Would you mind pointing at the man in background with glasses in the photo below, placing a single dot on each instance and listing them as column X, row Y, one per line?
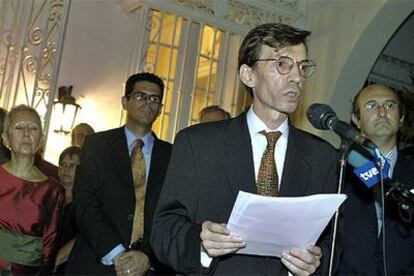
column 259, row 152
column 117, row 186
column 378, row 112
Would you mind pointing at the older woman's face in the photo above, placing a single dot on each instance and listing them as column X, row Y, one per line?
column 24, row 134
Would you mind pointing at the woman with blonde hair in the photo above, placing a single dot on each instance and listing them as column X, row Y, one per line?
column 30, row 202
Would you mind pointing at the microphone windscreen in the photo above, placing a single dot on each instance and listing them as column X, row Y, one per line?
column 319, row 115
column 356, row 159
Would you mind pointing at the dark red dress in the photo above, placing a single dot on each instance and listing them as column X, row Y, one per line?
column 29, row 218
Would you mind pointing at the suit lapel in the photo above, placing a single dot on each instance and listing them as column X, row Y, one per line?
column 296, row 166
column 120, row 157
column 153, row 174
column 237, row 159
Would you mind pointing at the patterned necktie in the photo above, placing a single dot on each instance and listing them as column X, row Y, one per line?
column 138, row 172
column 267, row 180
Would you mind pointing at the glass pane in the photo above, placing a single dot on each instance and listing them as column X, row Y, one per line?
column 150, row 65
column 213, row 78
column 155, row 26
column 217, row 44
column 210, row 42
column 171, row 28
column 199, row 102
column 207, row 41
column 178, row 31
column 173, row 63
column 203, row 72
column 163, row 61
column 168, row 96
column 165, row 125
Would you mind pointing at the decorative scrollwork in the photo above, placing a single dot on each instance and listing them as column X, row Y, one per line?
column 6, row 37
column 291, row 4
column 31, row 64
column 49, row 50
column 206, row 6
column 56, row 10
column 35, row 35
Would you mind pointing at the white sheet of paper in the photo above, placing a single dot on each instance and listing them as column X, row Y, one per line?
column 272, row 225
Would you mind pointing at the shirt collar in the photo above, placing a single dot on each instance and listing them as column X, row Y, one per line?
column 148, row 140
column 391, row 157
column 255, row 124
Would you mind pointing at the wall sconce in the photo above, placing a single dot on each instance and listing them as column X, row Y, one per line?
column 65, row 109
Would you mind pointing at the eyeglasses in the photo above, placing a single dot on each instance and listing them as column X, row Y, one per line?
column 142, row 96
column 284, row 65
column 388, row 105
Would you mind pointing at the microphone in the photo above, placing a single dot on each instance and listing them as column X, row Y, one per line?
column 366, row 170
column 397, row 191
column 321, row 116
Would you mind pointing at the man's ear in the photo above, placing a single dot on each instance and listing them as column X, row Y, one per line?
column 246, row 76
column 402, row 120
column 355, row 120
column 124, row 101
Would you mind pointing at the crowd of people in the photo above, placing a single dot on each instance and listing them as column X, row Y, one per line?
column 124, row 202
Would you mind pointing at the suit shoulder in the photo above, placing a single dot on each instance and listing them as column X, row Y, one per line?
column 164, row 144
column 103, row 135
column 204, row 130
column 314, row 142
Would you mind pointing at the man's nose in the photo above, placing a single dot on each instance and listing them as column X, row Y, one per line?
column 294, row 75
column 382, row 111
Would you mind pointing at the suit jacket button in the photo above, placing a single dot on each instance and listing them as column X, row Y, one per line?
column 130, row 217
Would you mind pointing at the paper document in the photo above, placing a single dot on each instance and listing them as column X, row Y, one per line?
column 272, row 225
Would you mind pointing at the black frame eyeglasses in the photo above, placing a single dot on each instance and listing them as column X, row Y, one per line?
column 142, row 96
column 284, row 65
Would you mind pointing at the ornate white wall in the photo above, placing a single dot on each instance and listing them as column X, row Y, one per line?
column 347, row 38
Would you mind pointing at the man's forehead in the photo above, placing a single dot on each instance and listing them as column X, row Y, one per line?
column 70, row 157
column 290, row 51
column 148, row 87
column 377, row 94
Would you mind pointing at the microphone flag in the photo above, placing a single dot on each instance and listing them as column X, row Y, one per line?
column 369, row 173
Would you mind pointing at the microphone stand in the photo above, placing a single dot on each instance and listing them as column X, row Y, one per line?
column 343, row 151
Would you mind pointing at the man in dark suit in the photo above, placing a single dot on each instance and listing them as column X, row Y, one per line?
column 212, row 162
column 378, row 112
column 105, row 189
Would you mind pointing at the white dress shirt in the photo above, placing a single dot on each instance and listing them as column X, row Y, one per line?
column 259, row 143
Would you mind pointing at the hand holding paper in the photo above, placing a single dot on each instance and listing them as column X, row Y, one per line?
column 272, row 225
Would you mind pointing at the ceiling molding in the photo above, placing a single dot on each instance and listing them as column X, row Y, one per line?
column 237, row 16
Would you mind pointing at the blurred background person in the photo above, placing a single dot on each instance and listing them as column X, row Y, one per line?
column 30, row 202
column 213, row 113
column 79, row 132
column 4, row 152
column 68, row 161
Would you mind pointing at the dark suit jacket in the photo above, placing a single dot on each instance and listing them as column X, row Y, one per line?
column 210, row 163
column 104, row 199
column 360, row 249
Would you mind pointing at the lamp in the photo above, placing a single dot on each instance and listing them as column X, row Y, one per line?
column 65, row 110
